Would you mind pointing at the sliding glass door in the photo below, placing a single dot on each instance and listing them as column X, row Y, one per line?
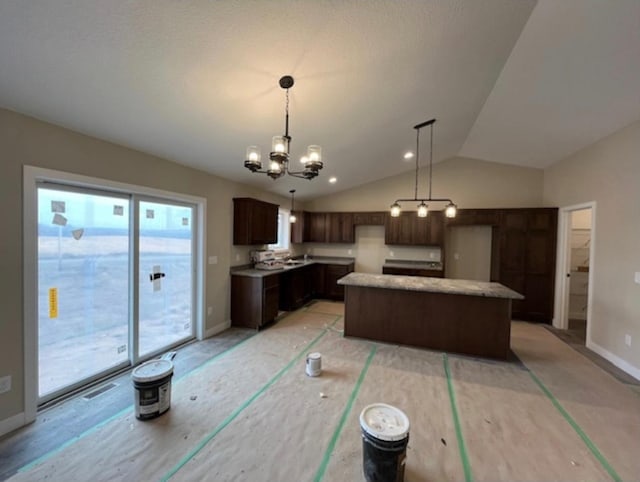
column 83, row 287
column 93, row 318
column 165, row 275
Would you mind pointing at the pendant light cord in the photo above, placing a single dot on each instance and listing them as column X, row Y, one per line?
column 286, row 116
column 415, row 195
column 430, row 161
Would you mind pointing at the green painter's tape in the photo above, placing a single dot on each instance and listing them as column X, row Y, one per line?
column 91, row 430
column 594, row 450
column 336, row 434
column 239, row 410
column 456, row 421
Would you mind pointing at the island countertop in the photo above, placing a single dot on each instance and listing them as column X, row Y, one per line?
column 432, row 285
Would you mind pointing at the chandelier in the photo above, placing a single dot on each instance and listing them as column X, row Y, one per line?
column 423, row 208
column 279, row 155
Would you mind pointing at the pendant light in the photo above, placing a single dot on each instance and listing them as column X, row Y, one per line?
column 423, row 208
column 292, row 217
column 279, row 156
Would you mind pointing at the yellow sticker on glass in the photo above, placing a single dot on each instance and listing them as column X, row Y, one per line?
column 53, row 302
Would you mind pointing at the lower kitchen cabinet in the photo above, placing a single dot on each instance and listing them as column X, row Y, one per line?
column 254, row 300
column 296, row 287
column 429, row 273
column 333, row 272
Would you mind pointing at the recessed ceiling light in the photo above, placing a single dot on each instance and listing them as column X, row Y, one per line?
column 333, row 180
column 408, row 155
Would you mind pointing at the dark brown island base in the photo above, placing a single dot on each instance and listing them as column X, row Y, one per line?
column 459, row 316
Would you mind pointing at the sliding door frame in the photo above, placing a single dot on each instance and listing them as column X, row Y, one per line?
column 32, row 176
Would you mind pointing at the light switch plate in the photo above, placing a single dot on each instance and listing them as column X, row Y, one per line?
column 213, row 260
column 637, row 277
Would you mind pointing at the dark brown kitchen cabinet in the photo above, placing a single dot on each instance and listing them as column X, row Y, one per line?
column 333, row 272
column 430, row 273
column 409, row 229
column 297, row 228
column 376, row 218
column 254, row 300
column 254, row 222
column 316, row 227
column 341, row 229
column 527, row 257
column 296, row 287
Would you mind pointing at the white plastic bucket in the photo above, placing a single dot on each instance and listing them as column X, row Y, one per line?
column 152, row 388
column 314, row 364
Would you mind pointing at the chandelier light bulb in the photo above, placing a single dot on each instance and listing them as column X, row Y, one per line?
column 304, row 159
column 451, row 210
column 292, row 218
column 274, row 166
column 422, row 210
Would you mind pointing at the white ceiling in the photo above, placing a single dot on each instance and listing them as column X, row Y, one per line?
column 196, row 82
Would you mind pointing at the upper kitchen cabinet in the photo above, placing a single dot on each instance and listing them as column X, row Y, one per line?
column 409, row 229
column 297, row 228
column 366, row 218
column 254, row 222
column 315, row 229
column 341, row 229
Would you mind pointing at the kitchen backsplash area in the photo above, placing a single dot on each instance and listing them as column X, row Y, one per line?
column 370, row 251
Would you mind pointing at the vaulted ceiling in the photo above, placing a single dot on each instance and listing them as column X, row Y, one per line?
column 511, row 81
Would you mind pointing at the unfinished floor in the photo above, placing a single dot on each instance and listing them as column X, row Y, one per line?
column 251, row 414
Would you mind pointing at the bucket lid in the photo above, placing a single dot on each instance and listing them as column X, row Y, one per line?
column 152, row 370
column 384, row 422
column 314, row 356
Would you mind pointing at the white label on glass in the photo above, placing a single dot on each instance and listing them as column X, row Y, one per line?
column 156, row 279
column 149, row 213
column 77, row 233
column 185, row 221
column 122, row 348
column 57, row 206
column 118, row 210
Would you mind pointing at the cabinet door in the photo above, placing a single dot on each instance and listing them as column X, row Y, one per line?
column 347, row 229
column 392, row 230
column 333, row 274
column 270, row 303
column 317, row 228
column 298, row 228
column 264, row 223
column 334, row 224
column 436, row 228
column 318, row 276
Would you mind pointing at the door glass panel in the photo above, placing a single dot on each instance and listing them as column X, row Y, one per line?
column 83, row 286
column 165, row 275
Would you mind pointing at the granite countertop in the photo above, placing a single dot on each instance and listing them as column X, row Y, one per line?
column 400, row 263
column 432, row 285
column 261, row 273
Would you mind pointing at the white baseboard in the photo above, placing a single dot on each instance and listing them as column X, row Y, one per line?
column 616, row 360
column 10, row 424
column 219, row 328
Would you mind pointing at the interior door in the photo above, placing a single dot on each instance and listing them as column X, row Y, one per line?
column 83, row 286
column 166, row 273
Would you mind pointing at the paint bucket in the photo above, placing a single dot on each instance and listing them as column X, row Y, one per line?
column 385, row 436
column 314, row 364
column 152, row 388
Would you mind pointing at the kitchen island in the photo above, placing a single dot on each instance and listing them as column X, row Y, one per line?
column 460, row 316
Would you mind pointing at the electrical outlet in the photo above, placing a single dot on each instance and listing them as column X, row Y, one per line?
column 5, row 384
column 456, row 256
column 391, row 254
column 209, row 310
column 237, row 257
column 637, row 277
column 627, row 340
column 213, row 260
column 349, row 251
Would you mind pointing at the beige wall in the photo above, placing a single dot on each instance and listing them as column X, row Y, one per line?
column 470, row 183
column 608, row 173
column 26, row 141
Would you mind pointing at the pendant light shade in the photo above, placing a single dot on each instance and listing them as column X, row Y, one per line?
column 423, row 209
column 292, row 217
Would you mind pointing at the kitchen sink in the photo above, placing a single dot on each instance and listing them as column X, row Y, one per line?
column 293, row 262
